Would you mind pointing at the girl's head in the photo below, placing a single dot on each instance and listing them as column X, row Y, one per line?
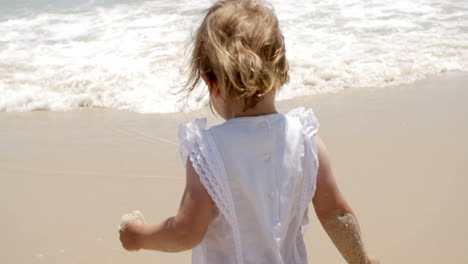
column 239, row 52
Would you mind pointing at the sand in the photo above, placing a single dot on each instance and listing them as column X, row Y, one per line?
column 400, row 156
column 126, row 219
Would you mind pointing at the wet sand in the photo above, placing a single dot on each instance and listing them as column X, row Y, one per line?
column 400, row 156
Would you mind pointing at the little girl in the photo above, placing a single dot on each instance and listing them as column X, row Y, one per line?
column 249, row 180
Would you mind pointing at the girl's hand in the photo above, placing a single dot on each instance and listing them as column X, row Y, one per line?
column 130, row 236
column 373, row 260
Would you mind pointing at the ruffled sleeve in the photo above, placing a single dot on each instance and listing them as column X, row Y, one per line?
column 308, row 120
column 190, row 135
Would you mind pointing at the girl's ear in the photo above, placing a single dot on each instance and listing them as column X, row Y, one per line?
column 210, row 82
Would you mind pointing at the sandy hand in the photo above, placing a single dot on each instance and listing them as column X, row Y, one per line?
column 129, row 218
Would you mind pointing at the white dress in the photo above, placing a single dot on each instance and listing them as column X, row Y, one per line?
column 261, row 172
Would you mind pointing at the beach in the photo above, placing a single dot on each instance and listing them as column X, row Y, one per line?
column 399, row 155
column 89, row 112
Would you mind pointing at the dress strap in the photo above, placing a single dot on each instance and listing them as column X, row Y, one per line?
column 310, row 126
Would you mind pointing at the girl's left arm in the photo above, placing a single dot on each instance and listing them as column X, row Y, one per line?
column 182, row 232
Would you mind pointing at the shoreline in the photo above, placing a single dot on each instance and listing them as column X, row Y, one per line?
column 399, row 155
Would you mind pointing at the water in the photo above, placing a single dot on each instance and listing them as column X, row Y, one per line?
column 64, row 54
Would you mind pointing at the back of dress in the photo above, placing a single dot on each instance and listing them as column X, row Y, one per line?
column 260, row 171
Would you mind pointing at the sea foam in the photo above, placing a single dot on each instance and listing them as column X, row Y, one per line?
column 130, row 56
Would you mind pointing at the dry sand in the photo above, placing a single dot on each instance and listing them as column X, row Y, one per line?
column 400, row 156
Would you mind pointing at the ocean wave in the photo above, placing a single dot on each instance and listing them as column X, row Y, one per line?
column 129, row 56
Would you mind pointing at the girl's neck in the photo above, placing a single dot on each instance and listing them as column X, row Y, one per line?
column 264, row 107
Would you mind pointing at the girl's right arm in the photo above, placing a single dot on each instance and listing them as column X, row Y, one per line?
column 335, row 214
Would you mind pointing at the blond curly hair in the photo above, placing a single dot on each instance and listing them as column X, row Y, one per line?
column 240, row 47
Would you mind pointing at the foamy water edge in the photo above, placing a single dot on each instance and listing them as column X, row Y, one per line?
column 129, row 56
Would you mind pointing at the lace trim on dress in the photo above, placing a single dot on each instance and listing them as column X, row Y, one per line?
column 197, row 144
